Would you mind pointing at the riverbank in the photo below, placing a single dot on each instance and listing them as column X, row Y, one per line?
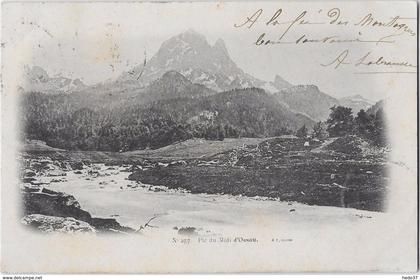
column 105, row 191
column 344, row 172
column 208, row 193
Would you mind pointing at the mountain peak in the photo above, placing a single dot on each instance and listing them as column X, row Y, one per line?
column 192, row 37
column 280, row 83
column 191, row 32
column 190, row 54
column 36, row 72
column 187, row 44
column 220, row 45
column 309, row 100
column 172, row 84
column 37, row 79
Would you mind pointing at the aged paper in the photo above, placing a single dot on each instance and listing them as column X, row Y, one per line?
column 167, row 137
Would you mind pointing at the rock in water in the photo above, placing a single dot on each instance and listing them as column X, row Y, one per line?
column 58, row 205
column 29, row 173
column 52, row 203
column 56, row 224
column 78, row 165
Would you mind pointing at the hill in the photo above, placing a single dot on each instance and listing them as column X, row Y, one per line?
column 68, row 122
column 309, row 100
column 284, row 169
column 172, row 85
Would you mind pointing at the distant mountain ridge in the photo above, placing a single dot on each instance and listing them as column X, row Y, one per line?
column 310, row 101
column 188, row 53
column 37, row 79
column 186, row 65
column 356, row 102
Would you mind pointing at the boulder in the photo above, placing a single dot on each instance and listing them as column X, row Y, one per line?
column 50, row 224
column 30, row 188
column 26, row 185
column 28, row 180
column 108, row 225
column 36, row 166
column 38, row 183
column 52, row 203
column 29, row 173
column 133, row 168
column 76, row 165
column 57, row 204
column 65, row 166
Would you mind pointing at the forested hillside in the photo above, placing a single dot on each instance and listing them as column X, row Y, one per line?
column 72, row 122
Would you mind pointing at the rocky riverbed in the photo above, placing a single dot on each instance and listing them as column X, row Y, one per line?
column 81, row 196
column 47, row 210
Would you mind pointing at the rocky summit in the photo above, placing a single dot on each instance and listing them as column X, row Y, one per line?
column 190, row 54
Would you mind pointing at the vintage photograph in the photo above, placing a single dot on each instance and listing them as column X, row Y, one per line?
column 213, row 122
column 186, row 127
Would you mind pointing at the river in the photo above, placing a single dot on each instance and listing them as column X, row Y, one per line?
column 106, row 192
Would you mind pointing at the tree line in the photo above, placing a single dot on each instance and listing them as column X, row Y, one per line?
column 341, row 122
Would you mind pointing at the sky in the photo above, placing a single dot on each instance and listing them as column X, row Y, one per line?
column 98, row 41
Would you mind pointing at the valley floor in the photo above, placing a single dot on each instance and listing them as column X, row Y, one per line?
column 111, row 196
column 213, row 187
